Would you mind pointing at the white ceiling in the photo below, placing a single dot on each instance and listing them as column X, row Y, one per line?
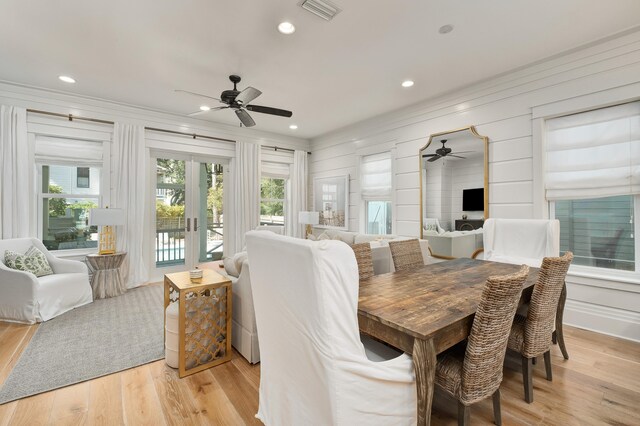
column 330, row 74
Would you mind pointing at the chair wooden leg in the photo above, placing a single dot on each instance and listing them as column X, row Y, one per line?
column 497, row 415
column 534, row 361
column 558, row 336
column 464, row 414
column 547, row 365
column 527, row 379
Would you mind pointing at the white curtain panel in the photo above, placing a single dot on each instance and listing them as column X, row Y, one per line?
column 247, row 192
column 376, row 179
column 16, row 173
column 298, row 197
column 594, row 154
column 129, row 194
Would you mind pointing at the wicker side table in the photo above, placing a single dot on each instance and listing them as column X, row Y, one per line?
column 106, row 280
column 204, row 319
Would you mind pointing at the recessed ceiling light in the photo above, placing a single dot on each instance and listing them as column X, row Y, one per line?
column 293, row 127
column 205, row 108
column 286, row 28
column 407, row 83
column 67, row 79
column 445, row 29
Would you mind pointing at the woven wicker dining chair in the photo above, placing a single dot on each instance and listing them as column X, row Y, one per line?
column 475, row 373
column 364, row 259
column 406, row 254
column 531, row 335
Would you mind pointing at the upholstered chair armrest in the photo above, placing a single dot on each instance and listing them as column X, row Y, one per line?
column 16, row 285
column 65, row 266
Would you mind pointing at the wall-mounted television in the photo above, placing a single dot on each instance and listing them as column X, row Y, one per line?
column 473, row 200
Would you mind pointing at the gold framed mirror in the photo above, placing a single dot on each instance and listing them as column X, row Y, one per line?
column 454, row 192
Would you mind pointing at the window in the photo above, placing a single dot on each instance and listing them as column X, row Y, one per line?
column 82, row 177
column 592, row 179
column 65, row 211
column 376, row 184
column 272, row 201
column 70, row 178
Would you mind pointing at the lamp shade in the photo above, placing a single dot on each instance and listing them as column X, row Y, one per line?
column 106, row 217
column 309, row 218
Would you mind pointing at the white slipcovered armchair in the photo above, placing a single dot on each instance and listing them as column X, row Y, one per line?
column 25, row 298
column 315, row 370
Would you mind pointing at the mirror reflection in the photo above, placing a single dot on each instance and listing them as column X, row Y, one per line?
column 454, row 192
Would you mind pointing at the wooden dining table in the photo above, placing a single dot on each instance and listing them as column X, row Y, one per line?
column 426, row 311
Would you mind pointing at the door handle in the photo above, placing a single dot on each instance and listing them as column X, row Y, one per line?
column 188, row 224
column 195, row 223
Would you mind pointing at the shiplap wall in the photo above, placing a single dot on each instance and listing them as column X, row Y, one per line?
column 501, row 109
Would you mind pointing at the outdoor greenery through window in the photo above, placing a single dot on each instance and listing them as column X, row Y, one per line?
column 66, row 202
column 272, row 201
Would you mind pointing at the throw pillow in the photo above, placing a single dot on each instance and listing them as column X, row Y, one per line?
column 230, row 266
column 324, row 236
column 238, row 259
column 33, row 261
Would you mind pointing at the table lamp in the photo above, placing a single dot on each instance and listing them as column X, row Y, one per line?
column 309, row 219
column 107, row 218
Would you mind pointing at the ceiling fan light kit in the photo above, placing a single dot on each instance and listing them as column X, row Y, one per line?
column 239, row 102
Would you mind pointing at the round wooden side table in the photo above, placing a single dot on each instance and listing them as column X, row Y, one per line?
column 106, row 280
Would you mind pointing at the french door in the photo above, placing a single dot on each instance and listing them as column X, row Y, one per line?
column 188, row 211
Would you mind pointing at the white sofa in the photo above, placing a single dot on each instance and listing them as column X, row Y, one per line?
column 456, row 243
column 27, row 299
column 244, row 334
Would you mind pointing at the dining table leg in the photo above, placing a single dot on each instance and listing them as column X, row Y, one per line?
column 424, row 364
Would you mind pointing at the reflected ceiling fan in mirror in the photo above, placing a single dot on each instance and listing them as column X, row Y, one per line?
column 239, row 102
column 443, row 152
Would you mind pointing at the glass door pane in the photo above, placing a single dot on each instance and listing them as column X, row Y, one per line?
column 210, row 230
column 170, row 212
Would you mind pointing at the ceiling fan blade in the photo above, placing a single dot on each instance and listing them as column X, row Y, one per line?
column 429, row 155
column 269, row 110
column 464, row 152
column 434, row 158
column 197, row 94
column 193, row 114
column 247, row 95
column 457, row 156
column 245, row 118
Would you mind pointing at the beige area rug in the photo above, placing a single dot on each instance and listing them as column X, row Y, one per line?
column 104, row 337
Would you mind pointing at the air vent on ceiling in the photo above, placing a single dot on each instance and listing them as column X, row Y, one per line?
column 321, row 8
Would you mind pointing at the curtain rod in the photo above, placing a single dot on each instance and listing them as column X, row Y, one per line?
column 72, row 117
column 193, row 135
column 277, row 148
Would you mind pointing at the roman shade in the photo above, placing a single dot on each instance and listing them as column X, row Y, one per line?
column 376, row 180
column 51, row 150
column 594, row 154
column 275, row 170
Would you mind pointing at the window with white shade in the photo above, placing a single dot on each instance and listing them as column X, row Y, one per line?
column 70, row 175
column 273, row 193
column 592, row 180
column 376, row 188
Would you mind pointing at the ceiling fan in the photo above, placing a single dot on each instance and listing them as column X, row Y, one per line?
column 239, row 102
column 443, row 152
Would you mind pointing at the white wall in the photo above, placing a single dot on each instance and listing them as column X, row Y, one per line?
column 466, row 174
column 501, row 109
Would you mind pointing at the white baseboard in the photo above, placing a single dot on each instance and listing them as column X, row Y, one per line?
column 603, row 319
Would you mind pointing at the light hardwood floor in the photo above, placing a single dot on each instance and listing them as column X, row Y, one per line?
column 599, row 385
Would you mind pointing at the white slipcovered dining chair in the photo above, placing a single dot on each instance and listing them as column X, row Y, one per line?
column 28, row 299
column 526, row 241
column 521, row 241
column 314, row 367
